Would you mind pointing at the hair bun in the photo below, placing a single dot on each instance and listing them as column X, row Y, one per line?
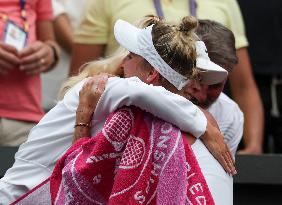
column 188, row 23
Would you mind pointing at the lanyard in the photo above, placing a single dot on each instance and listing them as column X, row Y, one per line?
column 23, row 15
column 160, row 13
column 22, row 3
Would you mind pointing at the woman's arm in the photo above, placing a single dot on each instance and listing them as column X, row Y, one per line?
column 88, row 99
column 64, row 32
column 245, row 93
column 154, row 99
column 166, row 105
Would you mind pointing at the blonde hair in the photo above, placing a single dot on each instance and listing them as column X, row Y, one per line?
column 108, row 65
column 176, row 45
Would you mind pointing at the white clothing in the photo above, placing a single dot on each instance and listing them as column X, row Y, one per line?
column 219, row 182
column 230, row 120
column 52, row 81
column 49, row 140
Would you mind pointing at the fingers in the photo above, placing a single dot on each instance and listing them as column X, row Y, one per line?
column 5, row 66
column 29, row 50
column 8, row 58
column 33, row 58
column 226, row 158
column 92, row 90
column 230, row 155
column 229, row 159
column 100, row 79
column 37, row 70
column 102, row 83
column 36, row 58
column 88, row 84
column 98, row 84
column 230, row 163
column 224, row 163
column 36, row 67
column 8, row 48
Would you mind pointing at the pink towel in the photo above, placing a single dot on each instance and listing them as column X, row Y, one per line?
column 135, row 159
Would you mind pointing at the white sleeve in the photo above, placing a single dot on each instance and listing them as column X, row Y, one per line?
column 46, row 143
column 22, row 177
column 58, row 7
column 154, row 99
column 237, row 127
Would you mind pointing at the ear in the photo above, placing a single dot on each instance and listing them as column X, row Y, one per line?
column 152, row 77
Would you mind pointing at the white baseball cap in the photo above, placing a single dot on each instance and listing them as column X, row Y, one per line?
column 212, row 73
column 139, row 41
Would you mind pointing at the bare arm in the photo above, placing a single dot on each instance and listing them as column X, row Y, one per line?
column 64, row 32
column 45, row 30
column 246, row 94
column 83, row 53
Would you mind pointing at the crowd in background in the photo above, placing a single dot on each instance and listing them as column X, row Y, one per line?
column 83, row 31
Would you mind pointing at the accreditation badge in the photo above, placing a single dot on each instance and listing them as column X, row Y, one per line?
column 15, row 35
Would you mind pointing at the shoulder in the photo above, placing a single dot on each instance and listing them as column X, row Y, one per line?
column 126, row 82
column 226, row 102
column 218, row 2
column 123, row 82
column 225, row 106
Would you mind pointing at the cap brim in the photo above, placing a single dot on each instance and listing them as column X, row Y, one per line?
column 212, row 73
column 126, row 35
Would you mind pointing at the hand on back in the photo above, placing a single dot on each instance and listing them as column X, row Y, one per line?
column 215, row 143
column 89, row 96
column 92, row 90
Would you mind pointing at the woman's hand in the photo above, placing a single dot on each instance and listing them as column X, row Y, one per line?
column 89, row 96
column 215, row 143
column 36, row 58
column 92, row 90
